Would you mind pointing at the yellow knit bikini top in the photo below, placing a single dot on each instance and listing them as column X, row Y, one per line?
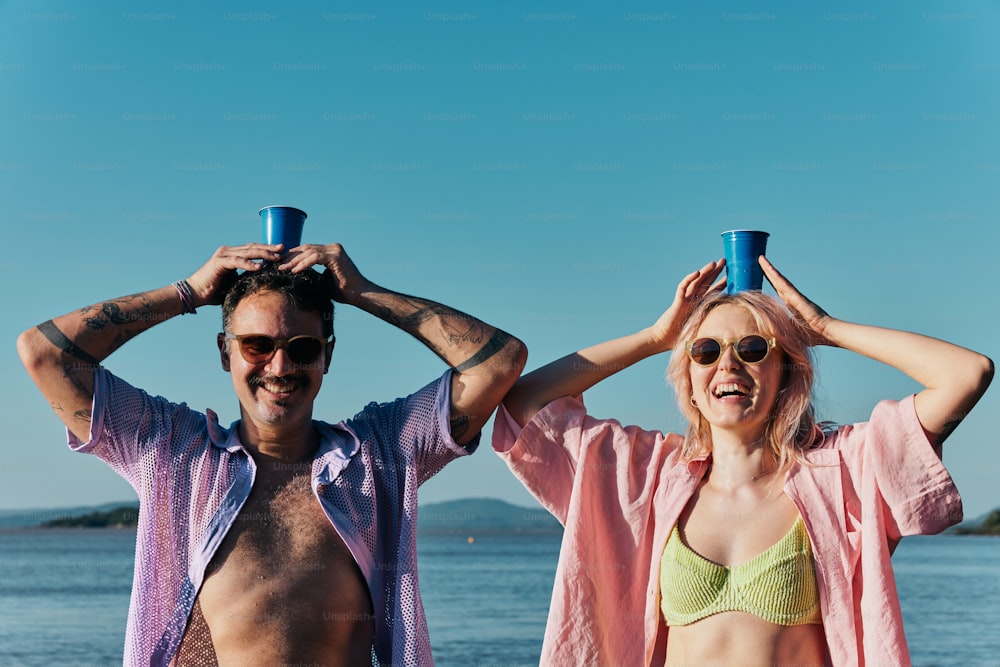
column 778, row 586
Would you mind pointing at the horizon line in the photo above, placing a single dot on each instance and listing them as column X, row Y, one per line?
column 135, row 501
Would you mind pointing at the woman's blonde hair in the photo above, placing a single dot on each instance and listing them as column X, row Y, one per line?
column 791, row 427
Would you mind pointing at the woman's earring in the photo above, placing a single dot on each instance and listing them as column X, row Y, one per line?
column 694, row 403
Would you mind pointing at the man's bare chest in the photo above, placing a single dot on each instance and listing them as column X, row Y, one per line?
column 281, row 524
column 283, row 584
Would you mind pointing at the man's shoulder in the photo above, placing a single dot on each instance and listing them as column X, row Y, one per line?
column 428, row 396
column 119, row 389
column 384, row 416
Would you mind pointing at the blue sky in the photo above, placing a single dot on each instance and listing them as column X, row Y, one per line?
column 554, row 169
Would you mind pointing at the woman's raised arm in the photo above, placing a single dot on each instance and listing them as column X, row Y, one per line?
column 575, row 373
column 954, row 378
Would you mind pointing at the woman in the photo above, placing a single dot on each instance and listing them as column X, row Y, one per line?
column 757, row 538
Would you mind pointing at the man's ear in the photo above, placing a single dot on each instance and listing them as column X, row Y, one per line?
column 329, row 354
column 223, row 351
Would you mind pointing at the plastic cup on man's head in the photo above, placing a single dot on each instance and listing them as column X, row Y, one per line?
column 283, row 224
column 742, row 248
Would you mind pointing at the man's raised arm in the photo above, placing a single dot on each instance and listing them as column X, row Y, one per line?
column 62, row 354
column 487, row 360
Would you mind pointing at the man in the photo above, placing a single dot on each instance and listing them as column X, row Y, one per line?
column 280, row 540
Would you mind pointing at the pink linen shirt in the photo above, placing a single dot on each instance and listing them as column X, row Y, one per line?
column 193, row 476
column 618, row 491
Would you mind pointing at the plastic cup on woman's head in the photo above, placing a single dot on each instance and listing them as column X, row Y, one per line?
column 283, row 224
column 742, row 249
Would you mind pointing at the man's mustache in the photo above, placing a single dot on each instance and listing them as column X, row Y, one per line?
column 284, row 382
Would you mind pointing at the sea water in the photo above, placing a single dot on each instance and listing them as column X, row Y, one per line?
column 64, row 597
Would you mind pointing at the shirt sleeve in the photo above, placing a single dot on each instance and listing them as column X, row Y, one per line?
column 417, row 427
column 895, row 465
column 563, row 449
column 126, row 423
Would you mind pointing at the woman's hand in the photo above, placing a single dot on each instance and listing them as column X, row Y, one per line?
column 953, row 377
column 815, row 318
column 691, row 290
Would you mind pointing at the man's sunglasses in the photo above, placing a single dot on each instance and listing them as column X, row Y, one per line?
column 259, row 349
column 751, row 349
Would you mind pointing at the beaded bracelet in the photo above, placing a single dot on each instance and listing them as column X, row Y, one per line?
column 186, row 296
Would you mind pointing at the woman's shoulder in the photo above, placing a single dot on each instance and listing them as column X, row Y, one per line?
column 890, row 419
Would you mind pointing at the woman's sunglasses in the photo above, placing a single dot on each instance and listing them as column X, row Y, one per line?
column 259, row 349
column 751, row 349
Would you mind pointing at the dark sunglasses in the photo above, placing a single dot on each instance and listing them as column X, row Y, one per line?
column 259, row 349
column 751, row 349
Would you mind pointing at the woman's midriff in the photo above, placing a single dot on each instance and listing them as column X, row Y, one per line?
column 738, row 638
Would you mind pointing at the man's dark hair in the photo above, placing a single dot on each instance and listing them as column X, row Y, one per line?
column 305, row 290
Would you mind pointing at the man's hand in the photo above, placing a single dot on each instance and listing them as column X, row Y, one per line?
column 210, row 282
column 341, row 275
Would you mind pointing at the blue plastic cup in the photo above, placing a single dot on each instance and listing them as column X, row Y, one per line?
column 283, row 224
column 742, row 248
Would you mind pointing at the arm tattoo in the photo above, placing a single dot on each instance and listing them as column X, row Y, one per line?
column 71, row 372
column 496, row 343
column 459, row 425
column 450, row 329
column 59, row 339
column 111, row 312
column 420, row 315
column 470, row 336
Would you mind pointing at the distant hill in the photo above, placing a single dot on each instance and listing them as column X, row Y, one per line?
column 124, row 516
column 36, row 517
column 990, row 525
column 472, row 516
column 469, row 516
column 478, row 516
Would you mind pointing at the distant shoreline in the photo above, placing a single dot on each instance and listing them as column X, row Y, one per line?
column 125, row 516
column 471, row 516
column 989, row 526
